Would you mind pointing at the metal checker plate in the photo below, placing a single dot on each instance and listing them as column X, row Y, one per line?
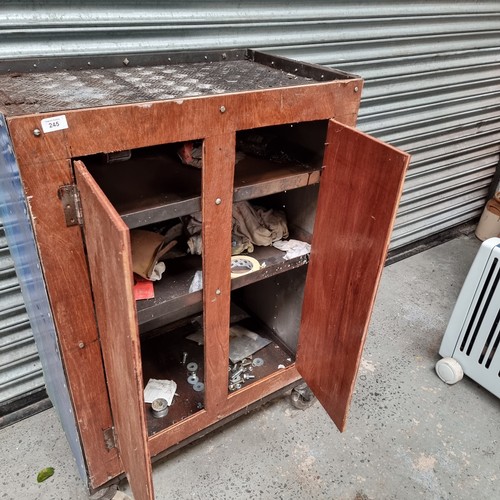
column 23, row 93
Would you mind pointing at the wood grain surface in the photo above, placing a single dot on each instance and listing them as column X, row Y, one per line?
column 110, row 262
column 359, row 194
column 65, row 269
column 217, row 204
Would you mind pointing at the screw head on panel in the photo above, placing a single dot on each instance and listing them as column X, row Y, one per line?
column 37, row 132
column 222, row 109
column 218, row 201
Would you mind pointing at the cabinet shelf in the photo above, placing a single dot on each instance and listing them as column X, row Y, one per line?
column 172, row 298
column 152, row 189
column 161, row 359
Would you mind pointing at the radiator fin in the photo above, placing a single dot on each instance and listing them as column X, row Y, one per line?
column 481, row 307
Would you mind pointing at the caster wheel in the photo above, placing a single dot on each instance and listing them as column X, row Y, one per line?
column 449, row 370
column 302, row 397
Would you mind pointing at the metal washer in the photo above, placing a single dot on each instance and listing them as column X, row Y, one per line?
column 192, row 367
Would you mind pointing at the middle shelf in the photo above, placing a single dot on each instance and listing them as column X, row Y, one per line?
column 173, row 300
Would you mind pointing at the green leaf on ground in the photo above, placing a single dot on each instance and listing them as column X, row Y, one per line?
column 45, row 474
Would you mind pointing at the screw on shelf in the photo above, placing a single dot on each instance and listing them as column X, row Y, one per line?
column 37, row 132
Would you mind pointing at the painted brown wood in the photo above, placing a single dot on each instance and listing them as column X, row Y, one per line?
column 131, row 126
column 216, row 202
column 359, row 194
column 110, row 262
column 64, row 265
column 235, row 402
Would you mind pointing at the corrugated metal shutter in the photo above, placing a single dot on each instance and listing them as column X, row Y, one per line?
column 20, row 368
column 431, row 71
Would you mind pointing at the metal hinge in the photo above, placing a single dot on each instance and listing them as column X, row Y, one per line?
column 70, row 199
column 109, row 438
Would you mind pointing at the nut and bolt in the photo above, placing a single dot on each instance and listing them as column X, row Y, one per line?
column 238, row 373
column 248, row 376
column 184, row 357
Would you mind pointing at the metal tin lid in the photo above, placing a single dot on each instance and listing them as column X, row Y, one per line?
column 159, row 408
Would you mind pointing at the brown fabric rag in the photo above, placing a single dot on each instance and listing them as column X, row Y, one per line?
column 252, row 225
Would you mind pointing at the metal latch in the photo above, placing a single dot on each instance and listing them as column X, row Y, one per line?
column 109, row 438
column 70, row 199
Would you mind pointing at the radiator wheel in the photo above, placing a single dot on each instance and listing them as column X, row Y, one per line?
column 449, row 370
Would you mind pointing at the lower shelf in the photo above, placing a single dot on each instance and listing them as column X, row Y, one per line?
column 162, row 358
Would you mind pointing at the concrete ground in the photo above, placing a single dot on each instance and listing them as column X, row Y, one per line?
column 409, row 435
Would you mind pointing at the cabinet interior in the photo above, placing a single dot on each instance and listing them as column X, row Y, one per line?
column 276, row 168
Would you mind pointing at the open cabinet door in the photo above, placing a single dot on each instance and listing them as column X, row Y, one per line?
column 110, row 261
column 359, row 194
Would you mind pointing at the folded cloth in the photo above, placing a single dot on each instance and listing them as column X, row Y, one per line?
column 259, row 225
column 252, row 225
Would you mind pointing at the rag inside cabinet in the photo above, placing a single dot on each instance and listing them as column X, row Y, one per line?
column 338, row 187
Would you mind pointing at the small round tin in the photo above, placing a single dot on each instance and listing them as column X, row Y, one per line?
column 159, row 408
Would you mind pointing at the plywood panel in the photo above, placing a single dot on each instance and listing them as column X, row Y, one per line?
column 359, row 194
column 217, row 199
column 110, row 261
column 65, row 270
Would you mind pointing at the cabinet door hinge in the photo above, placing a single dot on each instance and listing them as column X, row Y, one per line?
column 109, row 438
column 70, row 199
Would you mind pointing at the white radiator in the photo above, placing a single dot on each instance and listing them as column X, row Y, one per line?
column 471, row 343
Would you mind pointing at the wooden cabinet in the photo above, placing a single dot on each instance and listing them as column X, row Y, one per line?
column 339, row 188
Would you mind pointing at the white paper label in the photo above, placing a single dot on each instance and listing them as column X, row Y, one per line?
column 54, row 123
